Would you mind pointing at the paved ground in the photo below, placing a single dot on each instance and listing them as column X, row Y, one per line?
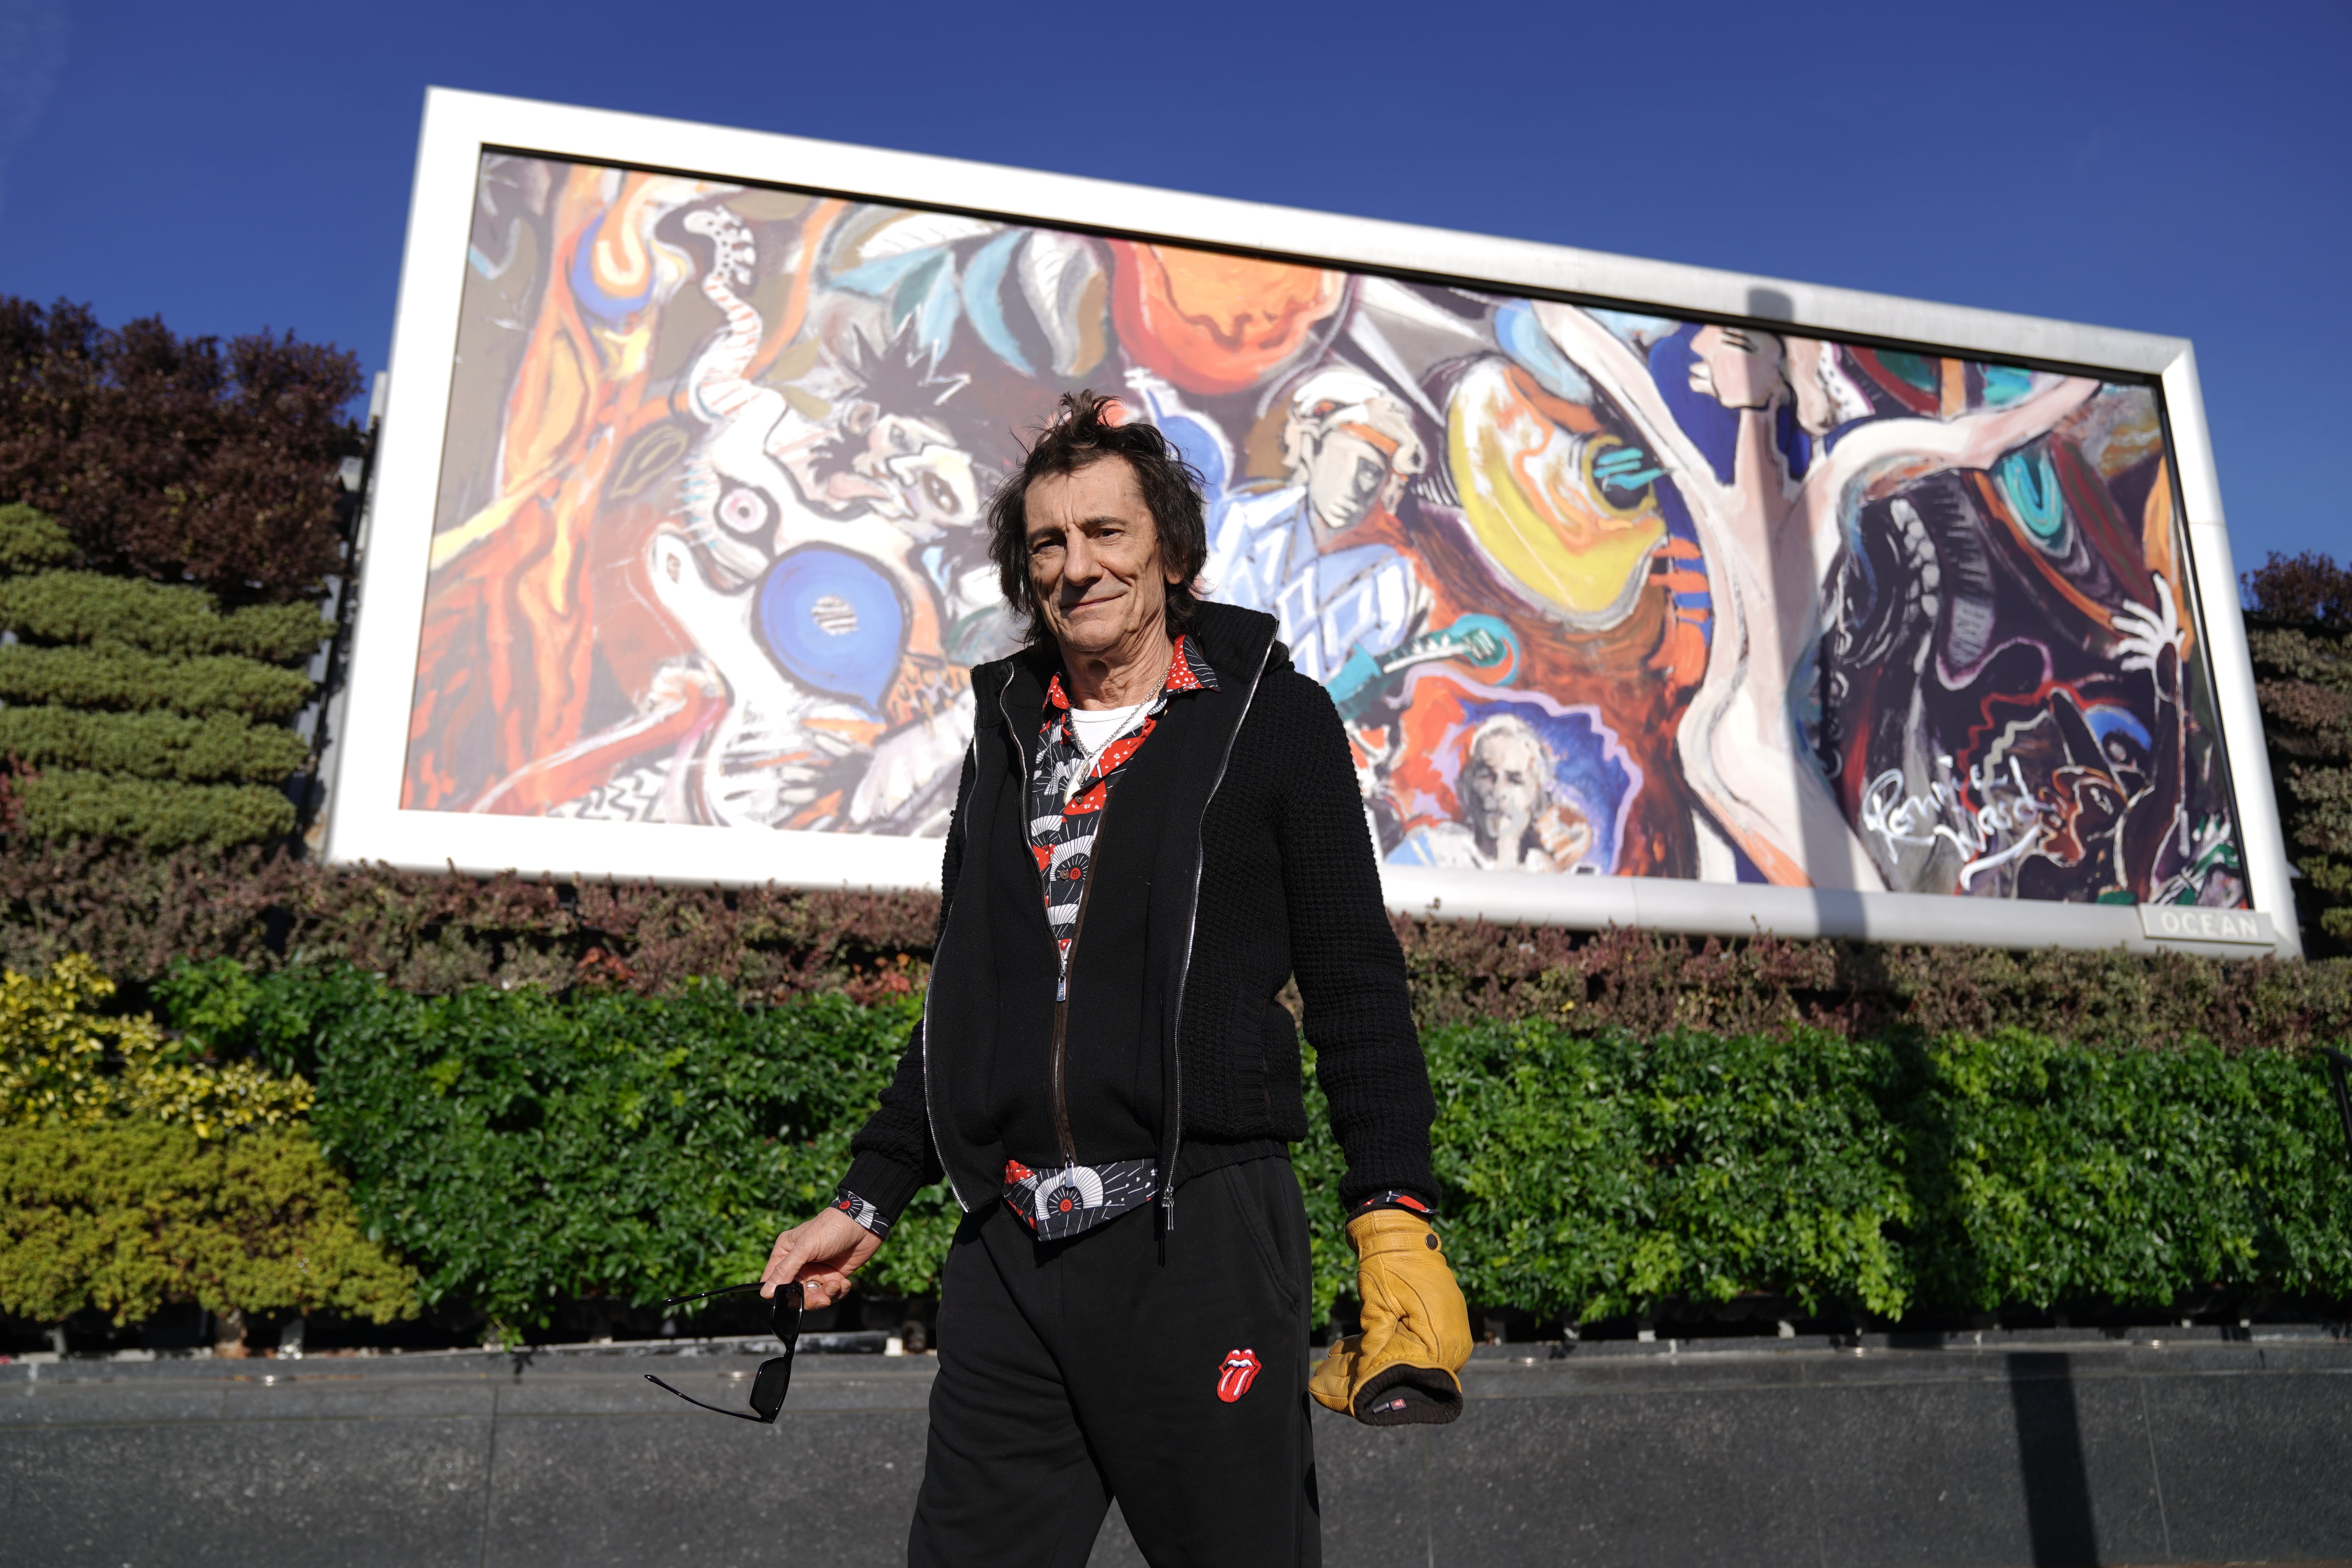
column 1993, row 1450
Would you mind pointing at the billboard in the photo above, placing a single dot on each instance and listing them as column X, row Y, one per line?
column 1822, row 613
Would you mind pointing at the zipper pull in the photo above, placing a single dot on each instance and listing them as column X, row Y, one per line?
column 1168, row 1209
column 1062, row 989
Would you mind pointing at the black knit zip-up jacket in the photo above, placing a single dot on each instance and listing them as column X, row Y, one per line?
column 1239, row 855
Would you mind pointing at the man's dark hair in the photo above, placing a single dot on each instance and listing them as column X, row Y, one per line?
column 1079, row 436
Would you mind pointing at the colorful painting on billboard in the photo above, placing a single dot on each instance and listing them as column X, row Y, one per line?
column 1596, row 592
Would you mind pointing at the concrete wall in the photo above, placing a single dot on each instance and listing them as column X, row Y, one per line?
column 1992, row 1450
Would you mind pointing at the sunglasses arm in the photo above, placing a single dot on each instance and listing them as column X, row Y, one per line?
column 690, row 1399
column 738, row 1289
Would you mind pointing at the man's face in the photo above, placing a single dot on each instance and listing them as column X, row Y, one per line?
column 1094, row 560
column 1345, row 478
column 1504, row 786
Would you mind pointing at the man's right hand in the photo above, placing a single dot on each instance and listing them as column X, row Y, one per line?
column 822, row 1253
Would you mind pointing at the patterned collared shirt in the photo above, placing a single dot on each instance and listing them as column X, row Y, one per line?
column 1066, row 797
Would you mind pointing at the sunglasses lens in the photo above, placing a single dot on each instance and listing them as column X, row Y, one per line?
column 768, row 1389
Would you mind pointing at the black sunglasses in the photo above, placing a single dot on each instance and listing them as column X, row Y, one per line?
column 775, row 1373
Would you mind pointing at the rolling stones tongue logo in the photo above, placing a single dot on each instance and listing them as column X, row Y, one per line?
column 1235, row 1374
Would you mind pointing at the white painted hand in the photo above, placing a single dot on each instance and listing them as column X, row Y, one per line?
column 2146, row 633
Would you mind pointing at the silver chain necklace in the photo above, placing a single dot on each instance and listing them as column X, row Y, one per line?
column 1086, row 759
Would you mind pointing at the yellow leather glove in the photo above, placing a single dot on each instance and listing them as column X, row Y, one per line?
column 1400, row 1372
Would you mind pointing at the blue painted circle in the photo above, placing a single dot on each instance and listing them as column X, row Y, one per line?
column 833, row 621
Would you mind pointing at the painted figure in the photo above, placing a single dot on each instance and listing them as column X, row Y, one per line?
column 1769, row 535
column 1348, row 448
column 1512, row 821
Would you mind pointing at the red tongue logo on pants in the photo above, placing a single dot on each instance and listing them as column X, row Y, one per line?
column 1235, row 1374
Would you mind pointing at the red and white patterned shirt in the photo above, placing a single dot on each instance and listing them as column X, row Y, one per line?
column 1066, row 795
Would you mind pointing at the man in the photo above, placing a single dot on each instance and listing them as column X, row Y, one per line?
column 1516, row 822
column 1156, row 825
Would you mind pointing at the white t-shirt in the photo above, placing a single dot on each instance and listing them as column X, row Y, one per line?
column 1096, row 728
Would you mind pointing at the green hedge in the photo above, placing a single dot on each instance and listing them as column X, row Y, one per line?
column 175, row 619
column 1592, row 1176
column 113, row 677
column 2049, row 1175
column 1596, row 1176
column 31, row 539
column 157, row 815
column 520, row 1147
column 153, row 745
column 67, row 1060
column 126, row 1218
column 158, row 721
column 135, row 1172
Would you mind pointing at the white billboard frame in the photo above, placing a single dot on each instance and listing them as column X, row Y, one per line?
column 366, row 822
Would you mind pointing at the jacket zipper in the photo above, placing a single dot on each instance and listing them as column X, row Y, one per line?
column 1069, row 1141
column 931, row 1117
column 1184, row 970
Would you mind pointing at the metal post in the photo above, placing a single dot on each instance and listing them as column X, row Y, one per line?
column 359, row 477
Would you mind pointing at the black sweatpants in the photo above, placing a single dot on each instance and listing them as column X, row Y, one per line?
column 1074, row 1372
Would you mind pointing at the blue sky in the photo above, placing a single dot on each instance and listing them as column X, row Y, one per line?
column 2155, row 166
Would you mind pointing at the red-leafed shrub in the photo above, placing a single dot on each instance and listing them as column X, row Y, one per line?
column 178, row 458
column 434, row 934
column 2300, row 627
